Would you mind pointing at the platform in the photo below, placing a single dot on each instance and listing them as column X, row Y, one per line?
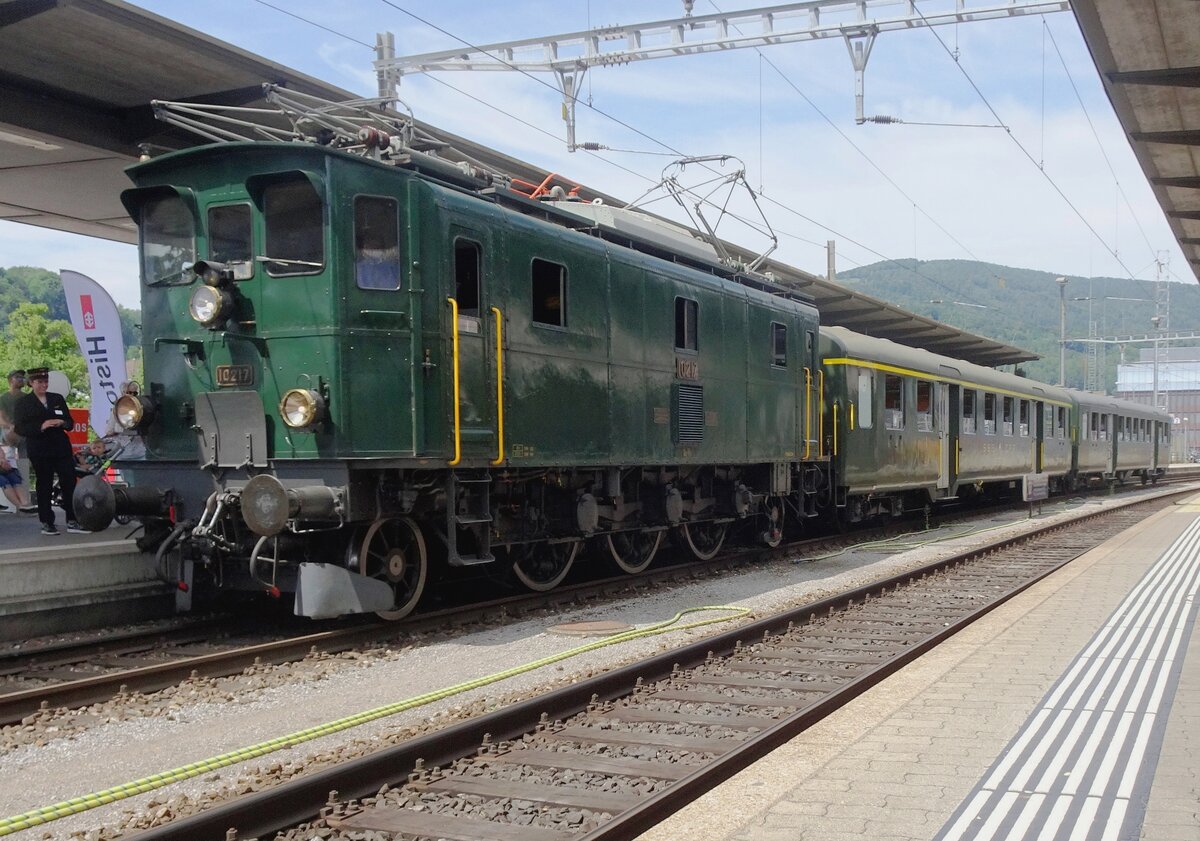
column 1070, row 712
column 71, row 582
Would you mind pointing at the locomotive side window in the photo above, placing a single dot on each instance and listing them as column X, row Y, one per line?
column 168, row 234
column 687, row 329
column 1023, row 418
column 295, row 234
column 1007, row 418
column 230, row 239
column 467, row 261
column 924, row 406
column 549, row 293
column 893, row 402
column 778, row 344
column 376, row 243
column 866, row 398
column 989, row 413
column 968, row 411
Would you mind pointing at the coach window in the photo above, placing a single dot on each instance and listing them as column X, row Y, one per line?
column 168, row 239
column 229, row 234
column 778, row 344
column 1060, row 422
column 1023, row 418
column 376, row 243
column 1104, row 426
column 1094, row 426
column 295, row 240
column 893, row 401
column 866, row 398
column 1007, row 418
column 989, row 413
column 924, row 406
column 687, row 328
column 968, row 411
column 468, row 257
column 549, row 293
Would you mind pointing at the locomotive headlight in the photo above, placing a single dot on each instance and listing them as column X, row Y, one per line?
column 131, row 411
column 209, row 305
column 302, row 407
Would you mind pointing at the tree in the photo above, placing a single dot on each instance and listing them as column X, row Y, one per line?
column 32, row 339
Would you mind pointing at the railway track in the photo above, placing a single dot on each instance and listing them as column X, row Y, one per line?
column 79, row 673
column 611, row 756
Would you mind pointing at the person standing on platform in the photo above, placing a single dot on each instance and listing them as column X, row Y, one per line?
column 43, row 419
column 8, row 435
column 12, row 484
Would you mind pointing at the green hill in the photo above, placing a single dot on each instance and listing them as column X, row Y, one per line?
column 1021, row 307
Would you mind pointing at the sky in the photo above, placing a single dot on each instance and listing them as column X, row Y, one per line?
column 1049, row 184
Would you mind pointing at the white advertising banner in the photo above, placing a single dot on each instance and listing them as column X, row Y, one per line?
column 98, row 331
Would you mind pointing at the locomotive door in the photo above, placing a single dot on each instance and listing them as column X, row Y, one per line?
column 476, row 398
column 942, row 420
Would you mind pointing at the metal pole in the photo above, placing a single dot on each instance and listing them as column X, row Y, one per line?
column 1062, row 329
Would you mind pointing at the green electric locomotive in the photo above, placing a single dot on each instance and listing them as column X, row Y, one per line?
column 358, row 368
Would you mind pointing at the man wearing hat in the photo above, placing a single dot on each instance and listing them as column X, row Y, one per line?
column 8, row 414
column 43, row 418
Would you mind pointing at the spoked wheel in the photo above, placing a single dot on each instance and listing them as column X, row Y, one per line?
column 773, row 534
column 542, row 566
column 704, row 540
column 392, row 549
column 632, row 551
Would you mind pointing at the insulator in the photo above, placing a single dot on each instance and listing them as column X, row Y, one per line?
column 883, row 120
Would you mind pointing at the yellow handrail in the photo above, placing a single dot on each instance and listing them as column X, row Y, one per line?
column 851, row 429
column 499, row 386
column 821, row 414
column 807, row 413
column 454, row 355
column 835, row 414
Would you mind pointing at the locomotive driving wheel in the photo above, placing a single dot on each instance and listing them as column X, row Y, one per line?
column 632, row 551
column 704, row 539
column 542, row 566
column 392, row 549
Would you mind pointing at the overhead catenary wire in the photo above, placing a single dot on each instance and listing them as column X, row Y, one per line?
column 1021, row 146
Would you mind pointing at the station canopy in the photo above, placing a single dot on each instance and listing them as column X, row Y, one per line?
column 76, row 81
column 1148, row 55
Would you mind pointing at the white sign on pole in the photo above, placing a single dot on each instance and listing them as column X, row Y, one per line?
column 98, row 331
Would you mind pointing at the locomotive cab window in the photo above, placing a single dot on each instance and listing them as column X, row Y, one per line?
column 1023, row 417
column 168, row 240
column 687, row 330
column 549, row 293
column 376, row 243
column 295, row 232
column 467, row 271
column 989, row 414
column 893, row 402
column 230, row 238
column 968, row 411
column 1007, row 418
column 924, row 406
column 778, row 345
column 866, row 398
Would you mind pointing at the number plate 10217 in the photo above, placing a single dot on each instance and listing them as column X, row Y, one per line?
column 234, row 375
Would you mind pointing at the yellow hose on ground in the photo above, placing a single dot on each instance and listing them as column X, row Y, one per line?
column 75, row 805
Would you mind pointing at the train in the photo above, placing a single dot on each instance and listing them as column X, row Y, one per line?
column 365, row 369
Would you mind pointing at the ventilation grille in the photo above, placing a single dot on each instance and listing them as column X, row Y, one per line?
column 689, row 414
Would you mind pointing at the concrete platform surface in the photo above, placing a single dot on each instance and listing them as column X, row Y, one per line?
column 1070, row 712
column 52, row 585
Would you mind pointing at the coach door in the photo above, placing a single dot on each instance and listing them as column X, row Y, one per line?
column 942, row 418
column 474, row 328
